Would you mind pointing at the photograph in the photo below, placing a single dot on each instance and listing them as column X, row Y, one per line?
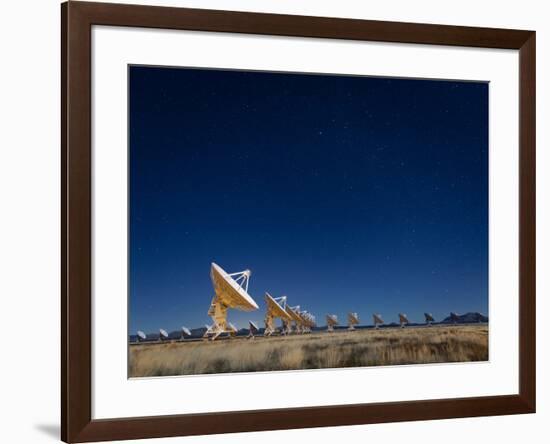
column 306, row 221
column 292, row 221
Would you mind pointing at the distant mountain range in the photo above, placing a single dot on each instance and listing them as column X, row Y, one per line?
column 467, row 318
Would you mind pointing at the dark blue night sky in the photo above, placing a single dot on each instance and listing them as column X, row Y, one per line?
column 344, row 193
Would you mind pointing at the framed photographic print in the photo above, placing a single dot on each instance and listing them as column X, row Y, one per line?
column 257, row 200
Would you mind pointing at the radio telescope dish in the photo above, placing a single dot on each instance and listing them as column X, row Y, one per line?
column 455, row 318
column 275, row 309
column 429, row 318
column 353, row 320
column 286, row 321
column 377, row 320
column 304, row 326
column 141, row 336
column 185, row 332
column 403, row 320
column 163, row 335
column 277, row 306
column 252, row 329
column 309, row 321
column 332, row 321
column 296, row 319
column 231, row 291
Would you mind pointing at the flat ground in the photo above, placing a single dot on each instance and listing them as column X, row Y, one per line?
column 360, row 348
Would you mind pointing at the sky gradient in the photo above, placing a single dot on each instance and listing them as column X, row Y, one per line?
column 343, row 193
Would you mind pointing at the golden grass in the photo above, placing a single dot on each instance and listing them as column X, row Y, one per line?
column 318, row 350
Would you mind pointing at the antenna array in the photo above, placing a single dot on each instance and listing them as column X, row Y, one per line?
column 231, row 291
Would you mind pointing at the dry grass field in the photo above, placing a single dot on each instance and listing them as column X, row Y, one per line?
column 318, row 350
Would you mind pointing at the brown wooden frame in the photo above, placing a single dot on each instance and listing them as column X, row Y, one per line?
column 77, row 19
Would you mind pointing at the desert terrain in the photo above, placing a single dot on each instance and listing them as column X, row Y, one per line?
column 341, row 348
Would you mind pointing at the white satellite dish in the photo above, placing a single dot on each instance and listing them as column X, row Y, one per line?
column 275, row 309
column 141, row 336
column 353, row 320
column 377, row 319
column 332, row 321
column 185, row 332
column 252, row 329
column 163, row 335
column 308, row 321
column 230, row 291
column 403, row 320
column 304, row 328
column 429, row 319
column 296, row 319
column 287, row 322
